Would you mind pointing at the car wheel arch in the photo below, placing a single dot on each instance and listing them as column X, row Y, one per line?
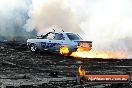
column 33, row 47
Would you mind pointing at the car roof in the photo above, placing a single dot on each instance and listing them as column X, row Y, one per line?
column 62, row 32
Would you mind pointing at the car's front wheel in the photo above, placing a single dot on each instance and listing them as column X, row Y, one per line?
column 33, row 48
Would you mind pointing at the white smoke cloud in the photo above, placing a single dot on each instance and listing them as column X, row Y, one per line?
column 13, row 15
column 45, row 13
column 108, row 23
column 109, row 20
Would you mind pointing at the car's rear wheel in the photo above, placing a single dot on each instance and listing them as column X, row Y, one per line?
column 33, row 48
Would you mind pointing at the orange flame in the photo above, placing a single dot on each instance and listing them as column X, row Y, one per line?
column 64, row 50
column 82, row 53
column 81, row 71
column 96, row 54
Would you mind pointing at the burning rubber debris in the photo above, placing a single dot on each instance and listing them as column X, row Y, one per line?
column 81, row 71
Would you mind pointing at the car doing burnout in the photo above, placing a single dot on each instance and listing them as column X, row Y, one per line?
column 52, row 42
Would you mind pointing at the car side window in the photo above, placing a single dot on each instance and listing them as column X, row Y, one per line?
column 50, row 36
column 59, row 36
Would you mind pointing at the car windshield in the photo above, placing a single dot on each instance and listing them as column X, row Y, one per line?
column 73, row 36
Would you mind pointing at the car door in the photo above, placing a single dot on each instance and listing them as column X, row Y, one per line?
column 57, row 41
column 47, row 43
